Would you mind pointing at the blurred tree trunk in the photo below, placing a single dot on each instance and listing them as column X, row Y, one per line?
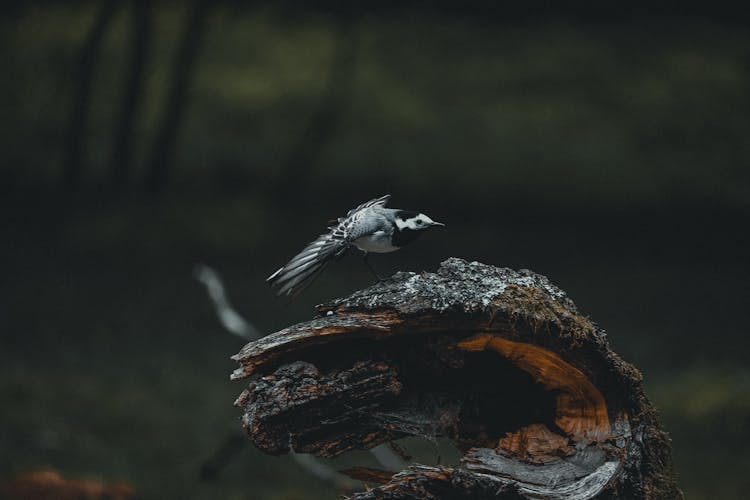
column 122, row 151
column 324, row 122
column 85, row 68
column 160, row 163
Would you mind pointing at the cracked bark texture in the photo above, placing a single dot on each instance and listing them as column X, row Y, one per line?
column 499, row 361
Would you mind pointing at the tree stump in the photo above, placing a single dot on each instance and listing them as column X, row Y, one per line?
column 499, row 361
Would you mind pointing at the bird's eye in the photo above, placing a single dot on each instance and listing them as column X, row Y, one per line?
column 419, row 221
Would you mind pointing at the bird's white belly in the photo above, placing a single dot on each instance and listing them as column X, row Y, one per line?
column 377, row 242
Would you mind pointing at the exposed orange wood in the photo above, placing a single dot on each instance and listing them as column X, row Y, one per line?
column 535, row 443
column 581, row 410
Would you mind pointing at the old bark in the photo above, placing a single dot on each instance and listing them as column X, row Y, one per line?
column 499, row 361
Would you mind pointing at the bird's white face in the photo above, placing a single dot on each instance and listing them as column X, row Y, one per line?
column 417, row 222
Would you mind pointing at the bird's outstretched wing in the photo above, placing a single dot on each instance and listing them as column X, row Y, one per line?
column 382, row 201
column 304, row 267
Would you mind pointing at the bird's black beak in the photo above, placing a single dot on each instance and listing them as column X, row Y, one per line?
column 437, row 224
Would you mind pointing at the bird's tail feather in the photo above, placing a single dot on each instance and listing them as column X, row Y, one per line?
column 304, row 267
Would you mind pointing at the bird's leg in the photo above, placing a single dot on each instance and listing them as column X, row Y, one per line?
column 367, row 263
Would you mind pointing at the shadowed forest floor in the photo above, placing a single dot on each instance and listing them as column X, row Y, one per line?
column 113, row 364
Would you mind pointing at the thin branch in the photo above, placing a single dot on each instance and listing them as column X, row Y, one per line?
column 387, row 457
column 230, row 319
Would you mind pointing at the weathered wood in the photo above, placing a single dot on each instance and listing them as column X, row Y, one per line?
column 335, row 408
column 499, row 361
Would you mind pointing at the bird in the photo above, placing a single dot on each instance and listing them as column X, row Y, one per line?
column 371, row 227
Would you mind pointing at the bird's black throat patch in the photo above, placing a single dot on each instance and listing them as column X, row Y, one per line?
column 402, row 237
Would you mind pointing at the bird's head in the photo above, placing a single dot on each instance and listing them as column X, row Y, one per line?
column 415, row 221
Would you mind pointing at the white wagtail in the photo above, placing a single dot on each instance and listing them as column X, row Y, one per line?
column 370, row 227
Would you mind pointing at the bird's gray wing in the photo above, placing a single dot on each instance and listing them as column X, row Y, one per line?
column 304, row 267
column 381, row 202
column 366, row 222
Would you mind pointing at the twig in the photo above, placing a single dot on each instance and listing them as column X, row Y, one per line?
column 229, row 318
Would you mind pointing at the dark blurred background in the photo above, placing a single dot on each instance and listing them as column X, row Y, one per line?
column 606, row 149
